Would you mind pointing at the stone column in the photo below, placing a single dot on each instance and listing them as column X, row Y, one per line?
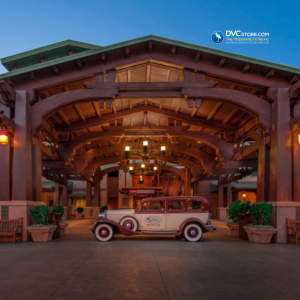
column 56, row 194
column 229, row 193
column 281, row 160
column 5, row 171
column 22, row 161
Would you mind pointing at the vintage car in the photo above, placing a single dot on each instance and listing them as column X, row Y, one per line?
column 180, row 216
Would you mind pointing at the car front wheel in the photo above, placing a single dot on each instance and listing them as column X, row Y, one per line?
column 104, row 232
column 193, row 232
column 130, row 223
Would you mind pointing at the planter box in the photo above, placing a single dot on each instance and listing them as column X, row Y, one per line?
column 79, row 216
column 234, row 230
column 260, row 235
column 42, row 234
column 63, row 228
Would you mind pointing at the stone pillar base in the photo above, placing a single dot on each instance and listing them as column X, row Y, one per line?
column 91, row 212
column 19, row 209
column 221, row 213
column 283, row 210
column 67, row 214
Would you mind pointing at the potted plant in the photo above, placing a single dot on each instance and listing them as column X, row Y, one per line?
column 261, row 231
column 234, row 209
column 103, row 208
column 41, row 231
column 63, row 225
column 79, row 214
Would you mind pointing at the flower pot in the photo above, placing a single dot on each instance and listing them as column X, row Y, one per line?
column 79, row 216
column 260, row 235
column 42, row 234
column 234, row 230
column 63, row 228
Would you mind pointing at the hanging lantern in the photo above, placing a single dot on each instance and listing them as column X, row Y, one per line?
column 299, row 137
column 3, row 137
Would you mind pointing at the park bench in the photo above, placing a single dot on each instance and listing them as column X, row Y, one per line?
column 293, row 231
column 12, row 228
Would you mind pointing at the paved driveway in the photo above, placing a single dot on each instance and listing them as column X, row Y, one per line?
column 79, row 267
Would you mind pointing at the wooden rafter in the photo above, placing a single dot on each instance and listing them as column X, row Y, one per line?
column 214, row 110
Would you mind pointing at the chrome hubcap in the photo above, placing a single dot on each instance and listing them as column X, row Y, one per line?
column 193, row 232
column 128, row 225
column 103, row 232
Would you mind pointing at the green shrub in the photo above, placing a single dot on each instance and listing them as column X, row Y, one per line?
column 58, row 209
column 236, row 208
column 40, row 214
column 261, row 213
column 103, row 208
column 79, row 210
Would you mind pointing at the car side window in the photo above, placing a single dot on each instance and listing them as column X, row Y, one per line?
column 153, row 205
column 194, row 205
column 176, row 205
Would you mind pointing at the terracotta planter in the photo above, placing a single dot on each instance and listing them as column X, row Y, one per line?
column 79, row 216
column 234, row 230
column 260, row 235
column 63, row 227
column 42, row 234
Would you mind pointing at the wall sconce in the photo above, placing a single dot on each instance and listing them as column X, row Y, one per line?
column 3, row 137
column 145, row 146
column 244, row 195
column 127, row 149
column 141, row 180
column 299, row 137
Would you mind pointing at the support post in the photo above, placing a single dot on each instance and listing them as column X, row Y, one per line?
column 56, row 194
column 22, row 162
column 65, row 192
column 37, row 170
column 88, row 194
column 229, row 193
column 5, row 171
column 220, row 192
column 97, row 188
column 281, row 158
column 263, row 172
column 187, row 182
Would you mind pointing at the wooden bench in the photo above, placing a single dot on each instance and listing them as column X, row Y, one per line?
column 12, row 228
column 292, row 231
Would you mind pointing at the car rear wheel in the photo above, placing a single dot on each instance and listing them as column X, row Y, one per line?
column 130, row 223
column 193, row 232
column 104, row 233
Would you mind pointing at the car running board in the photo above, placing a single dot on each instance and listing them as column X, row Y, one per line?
column 160, row 233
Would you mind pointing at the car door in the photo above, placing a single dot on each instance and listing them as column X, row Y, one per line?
column 152, row 216
column 175, row 214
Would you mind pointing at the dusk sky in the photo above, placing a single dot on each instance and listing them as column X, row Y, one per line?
column 26, row 25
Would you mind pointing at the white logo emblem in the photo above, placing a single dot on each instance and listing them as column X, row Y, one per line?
column 153, row 220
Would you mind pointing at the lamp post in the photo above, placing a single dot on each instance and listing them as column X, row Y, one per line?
column 3, row 137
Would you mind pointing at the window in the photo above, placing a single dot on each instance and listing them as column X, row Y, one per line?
column 153, row 205
column 176, row 205
column 80, row 203
column 193, row 205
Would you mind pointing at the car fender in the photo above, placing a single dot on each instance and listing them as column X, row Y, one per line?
column 194, row 220
column 117, row 227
